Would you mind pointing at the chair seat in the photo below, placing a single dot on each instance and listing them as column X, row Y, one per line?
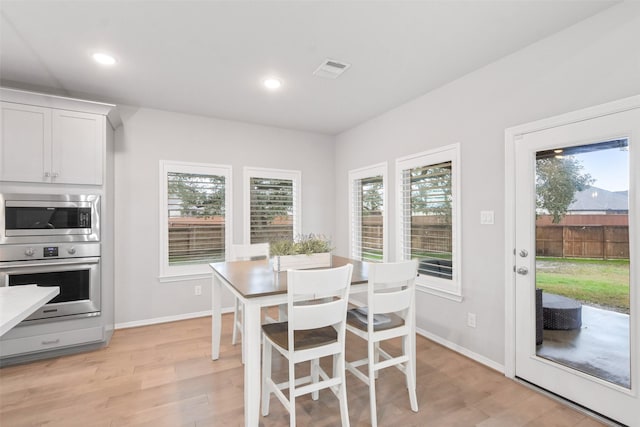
column 394, row 322
column 303, row 339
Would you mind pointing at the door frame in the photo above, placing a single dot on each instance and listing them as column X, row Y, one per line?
column 512, row 135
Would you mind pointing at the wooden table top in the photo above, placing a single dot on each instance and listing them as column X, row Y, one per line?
column 256, row 278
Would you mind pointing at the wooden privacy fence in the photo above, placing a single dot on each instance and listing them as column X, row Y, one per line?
column 583, row 241
column 193, row 239
column 428, row 233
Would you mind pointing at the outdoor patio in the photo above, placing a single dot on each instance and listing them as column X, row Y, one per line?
column 600, row 347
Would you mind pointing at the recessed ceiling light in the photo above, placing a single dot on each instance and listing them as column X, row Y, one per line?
column 104, row 59
column 272, row 83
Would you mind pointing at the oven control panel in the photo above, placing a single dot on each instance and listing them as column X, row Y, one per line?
column 48, row 251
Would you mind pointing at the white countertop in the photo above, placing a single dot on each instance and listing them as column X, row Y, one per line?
column 18, row 302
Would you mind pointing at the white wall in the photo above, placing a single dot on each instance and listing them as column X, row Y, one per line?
column 148, row 136
column 595, row 61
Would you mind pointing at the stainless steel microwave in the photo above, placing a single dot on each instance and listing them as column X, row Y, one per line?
column 41, row 218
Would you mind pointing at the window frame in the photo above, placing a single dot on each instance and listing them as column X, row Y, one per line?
column 171, row 273
column 450, row 289
column 269, row 173
column 363, row 173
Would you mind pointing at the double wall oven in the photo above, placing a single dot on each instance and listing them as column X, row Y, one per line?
column 53, row 240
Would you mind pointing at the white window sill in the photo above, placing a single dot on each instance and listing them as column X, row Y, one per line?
column 184, row 277
column 452, row 296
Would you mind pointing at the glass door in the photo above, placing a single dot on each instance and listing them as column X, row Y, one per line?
column 576, row 254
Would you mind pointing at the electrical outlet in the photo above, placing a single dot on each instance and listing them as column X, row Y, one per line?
column 197, row 290
column 471, row 320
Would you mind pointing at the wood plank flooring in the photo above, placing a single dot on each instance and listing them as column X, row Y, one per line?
column 162, row 375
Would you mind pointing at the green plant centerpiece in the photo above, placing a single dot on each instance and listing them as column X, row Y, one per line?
column 305, row 251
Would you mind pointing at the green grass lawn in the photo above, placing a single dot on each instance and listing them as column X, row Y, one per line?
column 602, row 283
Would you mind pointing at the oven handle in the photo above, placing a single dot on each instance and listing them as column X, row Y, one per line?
column 48, row 263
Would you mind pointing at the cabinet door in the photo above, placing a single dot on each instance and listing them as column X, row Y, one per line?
column 25, row 142
column 78, row 144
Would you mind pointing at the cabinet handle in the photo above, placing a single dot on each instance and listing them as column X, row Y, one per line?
column 54, row 174
column 56, row 341
column 47, row 174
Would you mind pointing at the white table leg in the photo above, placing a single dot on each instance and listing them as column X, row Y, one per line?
column 252, row 375
column 216, row 316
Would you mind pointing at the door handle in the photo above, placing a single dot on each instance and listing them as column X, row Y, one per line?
column 522, row 270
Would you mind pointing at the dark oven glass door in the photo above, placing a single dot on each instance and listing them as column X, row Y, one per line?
column 78, row 279
column 74, row 284
column 47, row 218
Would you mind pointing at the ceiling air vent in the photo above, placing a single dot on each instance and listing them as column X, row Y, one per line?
column 331, row 69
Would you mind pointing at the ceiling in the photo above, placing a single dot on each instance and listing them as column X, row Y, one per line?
column 209, row 57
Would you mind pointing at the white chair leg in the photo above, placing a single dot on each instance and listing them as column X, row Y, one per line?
column 377, row 357
column 266, row 376
column 339, row 366
column 292, row 394
column 315, row 376
column 235, row 322
column 243, row 332
column 372, row 385
column 410, row 372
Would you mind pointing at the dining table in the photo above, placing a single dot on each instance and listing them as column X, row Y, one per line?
column 257, row 285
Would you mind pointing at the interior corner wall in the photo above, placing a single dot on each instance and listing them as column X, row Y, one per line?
column 148, row 136
column 592, row 62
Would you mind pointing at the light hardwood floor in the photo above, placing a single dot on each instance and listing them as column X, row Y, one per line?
column 162, row 375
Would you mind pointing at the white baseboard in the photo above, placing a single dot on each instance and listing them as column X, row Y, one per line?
column 462, row 350
column 166, row 319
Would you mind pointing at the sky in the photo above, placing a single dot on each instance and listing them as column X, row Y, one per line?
column 609, row 167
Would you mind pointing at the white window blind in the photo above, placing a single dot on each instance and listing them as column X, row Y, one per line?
column 367, row 212
column 272, row 209
column 367, row 216
column 271, row 204
column 196, row 218
column 429, row 218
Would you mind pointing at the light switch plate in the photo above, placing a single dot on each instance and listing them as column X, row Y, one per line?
column 486, row 217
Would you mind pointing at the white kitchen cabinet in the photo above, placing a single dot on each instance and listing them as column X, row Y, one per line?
column 25, row 142
column 77, row 147
column 51, row 341
column 49, row 145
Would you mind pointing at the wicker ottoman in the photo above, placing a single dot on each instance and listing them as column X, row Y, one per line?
column 561, row 313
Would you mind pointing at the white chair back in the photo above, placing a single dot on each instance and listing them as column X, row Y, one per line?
column 391, row 287
column 244, row 253
column 325, row 296
column 248, row 252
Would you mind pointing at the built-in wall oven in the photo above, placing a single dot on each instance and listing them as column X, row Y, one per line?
column 74, row 268
column 53, row 240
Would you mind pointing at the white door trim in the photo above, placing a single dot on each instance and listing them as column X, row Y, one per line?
column 512, row 135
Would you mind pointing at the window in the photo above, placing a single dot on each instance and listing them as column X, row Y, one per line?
column 368, row 224
column 195, row 217
column 429, row 211
column 272, row 204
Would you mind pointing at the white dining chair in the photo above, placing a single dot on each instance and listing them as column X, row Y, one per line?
column 317, row 311
column 242, row 253
column 389, row 313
